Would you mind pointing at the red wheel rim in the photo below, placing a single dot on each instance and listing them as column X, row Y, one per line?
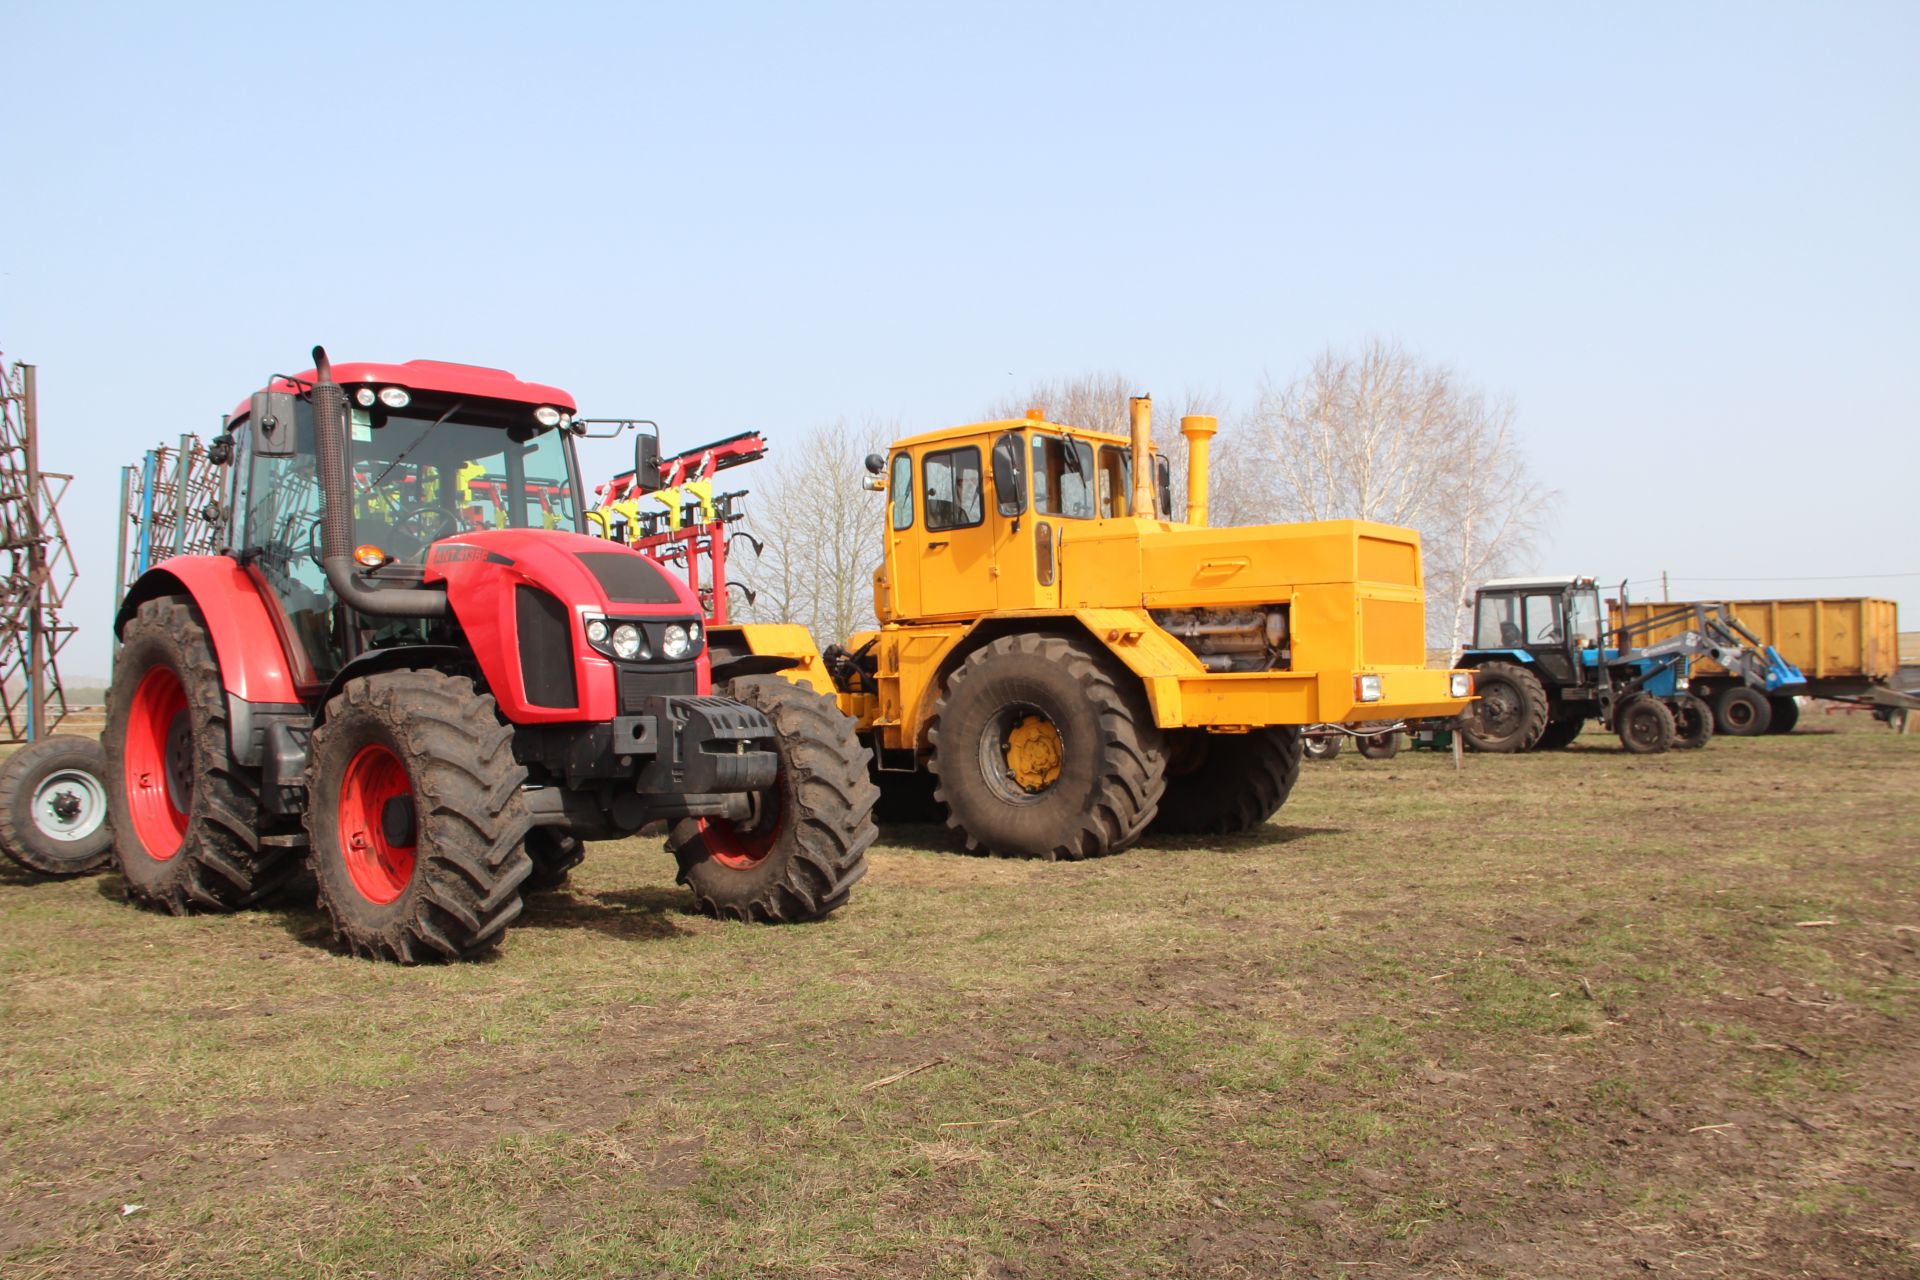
column 378, row 865
column 745, row 846
column 159, row 763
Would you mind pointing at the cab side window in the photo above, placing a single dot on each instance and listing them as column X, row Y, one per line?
column 953, row 488
column 1543, row 619
column 1499, row 624
column 1063, row 477
column 1116, row 481
column 900, row 491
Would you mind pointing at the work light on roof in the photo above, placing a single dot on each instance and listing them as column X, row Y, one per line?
column 395, row 397
column 547, row 416
column 364, row 397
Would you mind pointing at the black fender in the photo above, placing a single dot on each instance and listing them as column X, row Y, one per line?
column 406, row 657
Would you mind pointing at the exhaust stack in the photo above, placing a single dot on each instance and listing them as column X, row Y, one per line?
column 1199, row 430
column 1140, row 410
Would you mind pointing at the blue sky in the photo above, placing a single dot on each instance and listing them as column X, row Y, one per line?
column 1681, row 237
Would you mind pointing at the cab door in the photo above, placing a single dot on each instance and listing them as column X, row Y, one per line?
column 956, row 541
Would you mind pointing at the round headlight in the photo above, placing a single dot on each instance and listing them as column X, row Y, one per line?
column 395, row 397
column 547, row 416
column 364, row 397
column 626, row 640
column 597, row 631
column 675, row 643
column 693, row 632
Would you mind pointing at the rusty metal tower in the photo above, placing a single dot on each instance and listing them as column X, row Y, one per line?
column 36, row 568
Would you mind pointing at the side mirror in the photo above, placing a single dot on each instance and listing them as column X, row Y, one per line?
column 1009, row 475
column 876, row 464
column 646, row 462
column 271, row 419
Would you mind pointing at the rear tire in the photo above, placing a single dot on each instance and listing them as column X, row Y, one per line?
column 415, row 818
column 53, row 806
column 1042, row 752
column 1225, row 784
column 1786, row 714
column 1560, row 734
column 1740, row 712
column 185, row 814
column 554, row 855
column 1692, row 722
column 1323, row 746
column 1644, row 724
column 799, row 857
column 1511, row 713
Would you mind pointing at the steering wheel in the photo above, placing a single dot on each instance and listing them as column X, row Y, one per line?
column 427, row 525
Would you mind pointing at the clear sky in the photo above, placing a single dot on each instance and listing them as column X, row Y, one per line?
column 1684, row 238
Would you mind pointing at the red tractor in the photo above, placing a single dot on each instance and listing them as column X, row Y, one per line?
column 412, row 672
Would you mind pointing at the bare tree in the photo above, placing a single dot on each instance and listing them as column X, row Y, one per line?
column 821, row 529
column 1380, row 435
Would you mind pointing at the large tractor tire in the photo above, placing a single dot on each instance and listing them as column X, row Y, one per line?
column 1042, row 751
column 1644, row 724
column 185, row 814
column 53, row 806
column 1692, row 722
column 1323, row 746
column 1511, row 713
column 1224, row 784
column 554, row 855
column 1786, row 714
column 416, row 825
column 1740, row 712
column 1379, row 746
column 1560, row 734
column 806, row 843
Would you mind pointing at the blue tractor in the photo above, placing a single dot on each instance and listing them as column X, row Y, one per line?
column 1544, row 664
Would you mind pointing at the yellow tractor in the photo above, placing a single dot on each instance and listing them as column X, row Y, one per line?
column 1061, row 665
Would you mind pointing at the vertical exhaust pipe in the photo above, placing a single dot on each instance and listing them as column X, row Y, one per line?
column 1140, row 411
column 1199, row 430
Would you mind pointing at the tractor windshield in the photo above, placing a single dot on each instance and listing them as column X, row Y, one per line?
column 424, row 475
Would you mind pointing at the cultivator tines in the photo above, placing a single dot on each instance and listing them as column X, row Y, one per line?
column 172, row 504
column 36, row 569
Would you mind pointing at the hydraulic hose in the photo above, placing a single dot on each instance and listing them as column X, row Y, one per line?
column 336, row 522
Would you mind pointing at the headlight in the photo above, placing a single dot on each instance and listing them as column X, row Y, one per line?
column 597, row 630
column 626, row 641
column 1366, row 688
column 675, row 643
column 1460, row 685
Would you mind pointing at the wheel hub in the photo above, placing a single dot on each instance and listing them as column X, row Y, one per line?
column 378, row 824
column 69, row 805
column 1033, row 754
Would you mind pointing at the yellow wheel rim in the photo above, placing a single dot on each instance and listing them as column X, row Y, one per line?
column 1033, row 753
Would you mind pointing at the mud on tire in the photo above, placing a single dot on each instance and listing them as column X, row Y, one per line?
column 1224, row 784
column 415, row 818
column 186, row 815
column 806, row 845
column 1112, row 759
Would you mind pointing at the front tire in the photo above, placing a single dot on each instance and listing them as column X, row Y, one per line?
column 415, row 818
column 1560, row 734
column 1511, row 713
column 1323, row 746
column 1225, row 784
column 53, row 806
column 1379, row 746
column 1786, row 714
column 185, row 814
column 1740, row 712
column 1042, row 752
column 1645, row 725
column 799, row 855
column 1692, row 722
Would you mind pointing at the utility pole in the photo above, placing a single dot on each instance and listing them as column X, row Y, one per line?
column 1666, row 596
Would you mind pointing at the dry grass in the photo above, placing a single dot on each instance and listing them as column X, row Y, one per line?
column 1555, row 1015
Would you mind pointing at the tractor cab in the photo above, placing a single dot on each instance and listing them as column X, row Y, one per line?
column 1553, row 623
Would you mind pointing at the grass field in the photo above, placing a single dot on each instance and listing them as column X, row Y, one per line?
column 1572, row 1014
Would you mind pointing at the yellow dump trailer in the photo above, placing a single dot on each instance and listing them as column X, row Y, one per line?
column 1847, row 646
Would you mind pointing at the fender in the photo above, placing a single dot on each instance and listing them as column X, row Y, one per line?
column 1474, row 657
column 408, row 657
column 253, row 662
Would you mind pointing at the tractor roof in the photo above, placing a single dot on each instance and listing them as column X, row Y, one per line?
column 999, row 425
column 1549, row 580
column 431, row 375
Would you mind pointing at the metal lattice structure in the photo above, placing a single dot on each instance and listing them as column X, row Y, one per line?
column 172, row 508
column 37, row 567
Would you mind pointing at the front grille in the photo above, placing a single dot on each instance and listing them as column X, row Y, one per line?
column 546, row 649
column 639, row 683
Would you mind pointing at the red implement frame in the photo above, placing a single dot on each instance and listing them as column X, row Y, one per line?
column 702, row 535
